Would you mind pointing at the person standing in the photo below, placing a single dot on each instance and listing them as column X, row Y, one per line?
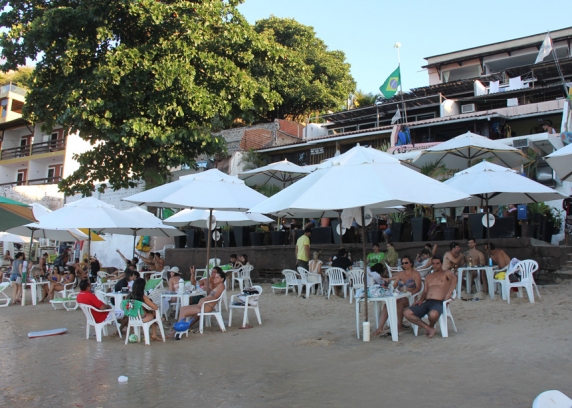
column 303, row 248
column 567, row 206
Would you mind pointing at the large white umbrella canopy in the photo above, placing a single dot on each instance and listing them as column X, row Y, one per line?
column 199, row 218
column 361, row 177
column 499, row 185
column 18, row 239
column 561, row 162
column 281, row 174
column 211, row 189
column 150, row 225
column 460, row 151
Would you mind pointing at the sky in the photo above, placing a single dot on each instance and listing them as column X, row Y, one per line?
column 367, row 30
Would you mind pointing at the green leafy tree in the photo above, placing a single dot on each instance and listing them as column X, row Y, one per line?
column 145, row 82
column 362, row 99
column 309, row 77
column 251, row 160
column 21, row 76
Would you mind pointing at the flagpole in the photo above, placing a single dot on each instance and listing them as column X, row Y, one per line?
column 398, row 46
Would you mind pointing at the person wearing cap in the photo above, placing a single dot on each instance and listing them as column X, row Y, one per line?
column 174, row 277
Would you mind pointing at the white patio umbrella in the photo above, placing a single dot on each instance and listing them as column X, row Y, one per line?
column 150, row 226
column 281, row 174
column 361, row 177
column 458, row 152
column 18, row 239
column 561, row 162
column 41, row 230
column 496, row 185
column 199, row 218
column 209, row 190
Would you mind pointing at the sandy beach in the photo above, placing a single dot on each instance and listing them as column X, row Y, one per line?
column 305, row 354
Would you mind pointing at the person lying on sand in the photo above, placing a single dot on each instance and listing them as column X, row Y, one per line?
column 439, row 286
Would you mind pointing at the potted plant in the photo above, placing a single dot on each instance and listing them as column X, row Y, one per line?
column 537, row 219
column 419, row 224
column 451, row 230
column 278, row 237
column 227, row 235
column 397, row 221
column 257, row 237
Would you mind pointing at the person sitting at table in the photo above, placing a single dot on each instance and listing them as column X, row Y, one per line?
column 439, row 286
column 149, row 262
column 243, row 260
column 341, row 261
column 128, row 262
column 423, row 259
column 391, row 256
column 138, row 293
column 234, row 262
column 128, row 276
column 499, row 256
column 408, row 280
column 375, row 260
column 85, row 297
column 202, row 283
column 454, row 258
column 474, row 257
column 159, row 263
column 315, row 264
column 66, row 278
column 215, row 291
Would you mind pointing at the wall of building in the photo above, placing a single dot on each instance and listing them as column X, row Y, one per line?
column 45, row 194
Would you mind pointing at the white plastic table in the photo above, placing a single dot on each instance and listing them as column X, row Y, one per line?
column 35, row 293
column 185, row 299
column 489, row 270
column 391, row 305
column 118, row 296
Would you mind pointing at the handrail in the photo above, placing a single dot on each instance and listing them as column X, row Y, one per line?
column 14, row 152
column 35, row 148
column 33, row 182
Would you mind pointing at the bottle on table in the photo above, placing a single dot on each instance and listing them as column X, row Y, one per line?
column 181, row 285
column 470, row 261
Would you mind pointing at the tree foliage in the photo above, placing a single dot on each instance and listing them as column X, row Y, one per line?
column 309, row 77
column 145, row 82
column 21, row 76
column 362, row 99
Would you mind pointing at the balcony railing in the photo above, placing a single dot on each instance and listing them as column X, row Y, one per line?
column 13, row 88
column 36, row 148
column 33, row 182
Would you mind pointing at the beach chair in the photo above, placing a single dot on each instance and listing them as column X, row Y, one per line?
column 98, row 327
column 4, row 298
column 69, row 289
column 242, row 276
column 336, row 277
column 443, row 318
column 356, row 277
column 133, row 310
column 216, row 312
column 392, row 269
column 525, row 268
column 309, row 280
column 153, row 284
column 291, row 280
column 68, row 303
column 251, row 302
column 424, row 271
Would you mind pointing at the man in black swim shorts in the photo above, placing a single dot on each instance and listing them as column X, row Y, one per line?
column 439, row 286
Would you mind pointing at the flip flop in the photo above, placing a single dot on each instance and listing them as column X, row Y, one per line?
column 246, row 327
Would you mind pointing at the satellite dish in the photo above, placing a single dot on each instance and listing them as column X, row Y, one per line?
column 491, row 220
column 212, row 222
column 338, row 230
column 216, row 235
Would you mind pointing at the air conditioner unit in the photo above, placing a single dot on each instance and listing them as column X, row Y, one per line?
column 468, row 108
column 520, row 143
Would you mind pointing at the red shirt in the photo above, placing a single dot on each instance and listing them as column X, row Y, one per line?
column 88, row 298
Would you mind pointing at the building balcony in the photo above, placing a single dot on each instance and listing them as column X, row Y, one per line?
column 34, row 149
column 33, row 182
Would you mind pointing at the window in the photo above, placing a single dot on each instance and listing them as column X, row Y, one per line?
column 4, row 107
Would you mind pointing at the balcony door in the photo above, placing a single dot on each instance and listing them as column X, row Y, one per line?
column 22, row 177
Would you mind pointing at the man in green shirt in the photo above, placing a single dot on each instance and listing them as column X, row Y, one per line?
column 375, row 260
column 303, row 248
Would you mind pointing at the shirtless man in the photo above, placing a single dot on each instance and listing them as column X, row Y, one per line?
column 159, row 262
column 439, row 286
column 149, row 262
column 475, row 257
column 499, row 256
column 453, row 257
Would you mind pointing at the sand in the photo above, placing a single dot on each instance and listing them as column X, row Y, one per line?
column 305, row 354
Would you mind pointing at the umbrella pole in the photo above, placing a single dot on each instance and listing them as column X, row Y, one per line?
column 209, row 247
column 89, row 243
column 30, row 250
column 488, row 226
column 366, row 326
column 340, row 226
column 134, row 242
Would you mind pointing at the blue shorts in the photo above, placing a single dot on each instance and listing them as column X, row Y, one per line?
column 14, row 277
column 427, row 306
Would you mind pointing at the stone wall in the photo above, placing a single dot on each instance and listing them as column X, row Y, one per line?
column 46, row 194
column 269, row 261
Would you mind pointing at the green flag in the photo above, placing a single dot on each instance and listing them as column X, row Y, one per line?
column 389, row 87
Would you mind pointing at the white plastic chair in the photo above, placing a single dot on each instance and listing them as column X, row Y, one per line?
column 336, row 277
column 216, row 312
column 443, row 318
column 424, row 271
column 309, row 280
column 392, row 269
column 242, row 276
column 552, row 399
column 98, row 327
column 245, row 307
column 68, row 289
column 68, row 303
column 136, row 323
column 292, row 280
column 356, row 276
column 4, row 298
column 526, row 268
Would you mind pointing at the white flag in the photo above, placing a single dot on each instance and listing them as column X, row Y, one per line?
column 544, row 49
column 396, row 117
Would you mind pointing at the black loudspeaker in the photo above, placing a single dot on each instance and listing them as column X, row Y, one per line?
column 504, row 228
column 321, row 235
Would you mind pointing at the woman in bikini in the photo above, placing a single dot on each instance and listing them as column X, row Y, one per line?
column 407, row 280
column 218, row 287
column 138, row 293
column 68, row 277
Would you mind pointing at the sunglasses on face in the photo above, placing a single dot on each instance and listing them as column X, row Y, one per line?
column 406, row 263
